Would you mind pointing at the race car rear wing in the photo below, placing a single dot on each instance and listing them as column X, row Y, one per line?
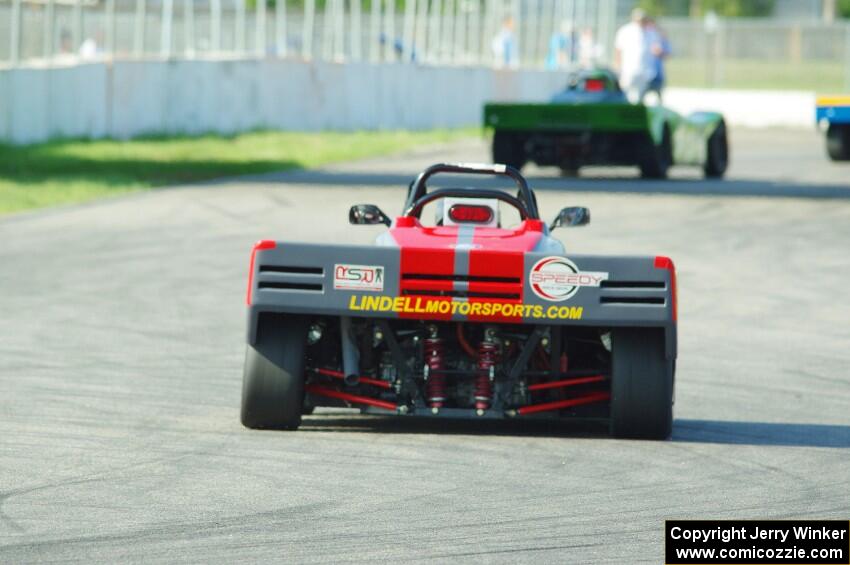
column 496, row 287
column 562, row 117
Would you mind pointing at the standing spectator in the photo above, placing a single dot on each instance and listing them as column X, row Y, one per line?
column 633, row 57
column 659, row 47
column 89, row 48
column 505, row 45
column 92, row 47
column 589, row 51
column 560, row 47
column 66, row 43
column 398, row 47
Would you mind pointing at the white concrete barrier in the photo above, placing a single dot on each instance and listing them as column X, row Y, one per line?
column 123, row 99
column 748, row 108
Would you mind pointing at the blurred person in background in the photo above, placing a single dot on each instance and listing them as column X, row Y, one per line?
column 92, row 47
column 590, row 53
column 560, row 47
column 398, row 47
column 633, row 58
column 89, row 48
column 66, row 43
column 659, row 47
column 505, row 45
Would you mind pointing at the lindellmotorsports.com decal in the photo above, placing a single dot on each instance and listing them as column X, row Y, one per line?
column 445, row 306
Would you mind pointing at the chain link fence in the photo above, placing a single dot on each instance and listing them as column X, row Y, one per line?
column 423, row 31
column 759, row 54
column 735, row 53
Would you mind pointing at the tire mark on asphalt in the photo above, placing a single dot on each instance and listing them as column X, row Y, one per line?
column 513, row 550
column 177, row 530
column 98, row 476
column 396, row 491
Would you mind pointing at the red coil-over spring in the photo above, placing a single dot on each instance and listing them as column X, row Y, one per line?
column 435, row 388
column 487, row 357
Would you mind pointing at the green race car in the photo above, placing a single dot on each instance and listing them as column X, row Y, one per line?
column 592, row 123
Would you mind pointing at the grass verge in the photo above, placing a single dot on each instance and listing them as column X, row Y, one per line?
column 71, row 171
column 824, row 77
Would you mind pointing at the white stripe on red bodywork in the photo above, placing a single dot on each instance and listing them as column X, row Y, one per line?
column 473, row 251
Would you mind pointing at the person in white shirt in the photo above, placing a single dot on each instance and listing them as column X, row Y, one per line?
column 633, row 57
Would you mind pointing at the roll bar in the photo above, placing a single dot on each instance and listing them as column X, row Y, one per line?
column 416, row 208
column 418, row 189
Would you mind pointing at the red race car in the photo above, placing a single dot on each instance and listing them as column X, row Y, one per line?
column 462, row 319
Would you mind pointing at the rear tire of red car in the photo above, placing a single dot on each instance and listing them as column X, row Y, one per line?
column 659, row 159
column 641, row 384
column 838, row 142
column 509, row 149
column 717, row 156
column 273, row 380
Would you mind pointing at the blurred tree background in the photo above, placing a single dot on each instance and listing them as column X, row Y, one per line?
column 698, row 8
column 693, row 8
column 320, row 4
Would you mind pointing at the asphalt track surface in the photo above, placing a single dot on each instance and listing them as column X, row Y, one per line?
column 122, row 341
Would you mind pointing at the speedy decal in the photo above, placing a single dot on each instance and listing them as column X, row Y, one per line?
column 424, row 305
column 558, row 278
column 358, row 277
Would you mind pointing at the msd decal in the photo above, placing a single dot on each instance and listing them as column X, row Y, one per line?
column 358, row 277
column 558, row 278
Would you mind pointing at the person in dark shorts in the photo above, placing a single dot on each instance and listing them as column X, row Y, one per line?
column 659, row 47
